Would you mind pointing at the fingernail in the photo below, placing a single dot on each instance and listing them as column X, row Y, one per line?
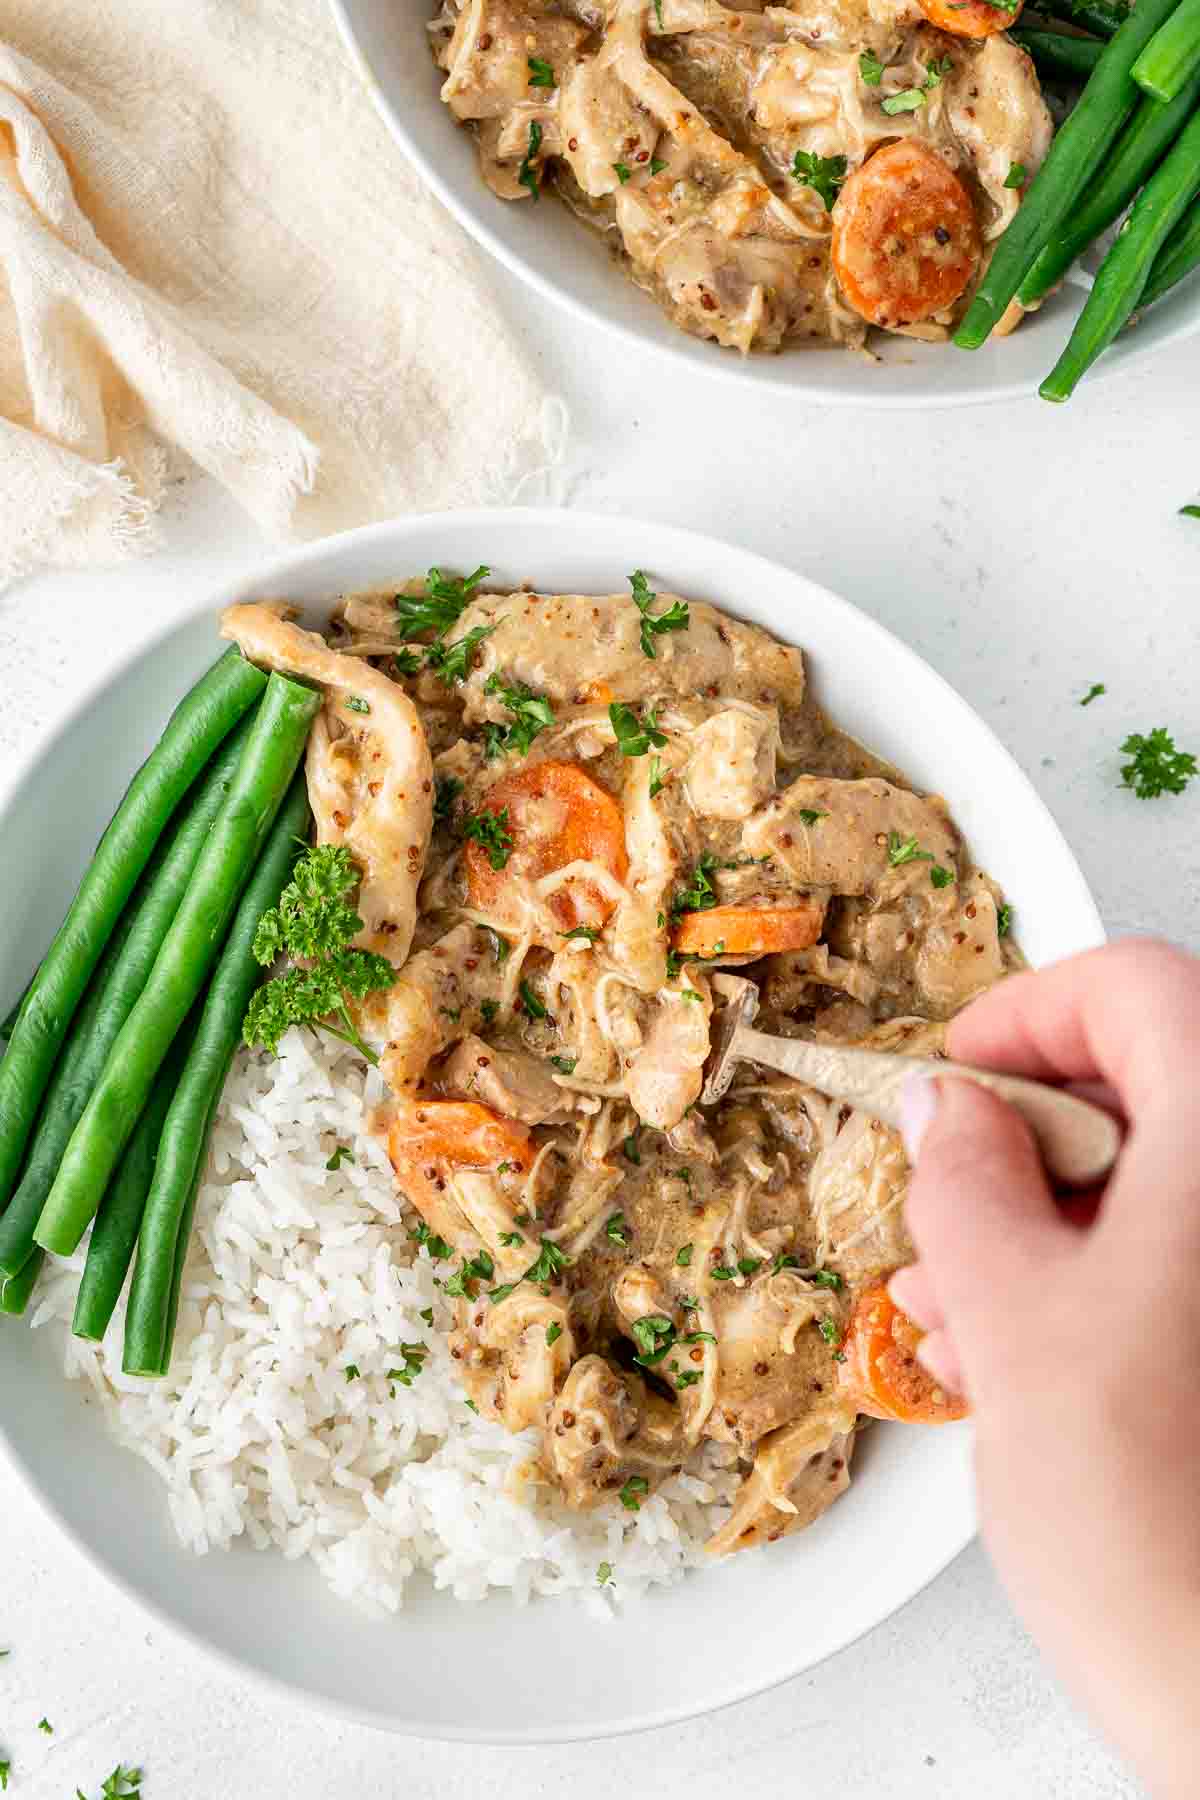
column 918, row 1103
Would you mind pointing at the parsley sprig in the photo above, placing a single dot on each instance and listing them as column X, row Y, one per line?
column 452, row 662
column 527, row 175
column 913, row 98
column 491, row 830
column 445, row 597
column 905, row 850
column 1155, row 766
column 635, row 736
column 531, row 714
column 315, row 921
column 676, row 618
column 824, row 174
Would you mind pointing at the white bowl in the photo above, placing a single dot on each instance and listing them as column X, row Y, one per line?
column 570, row 264
column 496, row 1672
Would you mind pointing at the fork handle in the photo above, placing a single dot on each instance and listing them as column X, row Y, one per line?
column 1079, row 1142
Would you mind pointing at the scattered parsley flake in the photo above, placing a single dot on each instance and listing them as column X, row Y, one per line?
column 676, row 618
column 940, row 877
column 700, row 894
column 472, row 1405
column 509, row 1239
column 1094, row 692
column 831, row 1332
column 439, row 1250
column 637, row 1484
column 531, row 1003
column 825, row 1278
column 623, row 172
column 427, row 1314
column 654, row 1335
column 1004, row 915
column 490, row 829
column 444, row 599
column 5, row 1771
column 356, row 703
column 683, row 1256
column 808, row 815
column 687, row 1378
column 553, row 1333
column 452, row 662
column 531, row 716
column 1190, row 512
column 406, row 662
column 501, row 946
column 615, row 1229
column 656, row 780
column 565, row 1064
column 1016, row 175
column 824, row 174
column 905, row 850
column 414, row 1361
column 699, row 1337
column 1156, row 766
column 474, row 1268
column 341, row 1154
column 541, row 75
column 722, row 1272
column 448, row 788
column 314, row 922
column 550, row 1262
column 749, row 1265
column 630, row 1149
column 635, row 736
column 604, row 1574
column 657, row 165
column 588, row 932
column 870, row 68
column 488, row 1009
column 527, row 175
column 352, row 1371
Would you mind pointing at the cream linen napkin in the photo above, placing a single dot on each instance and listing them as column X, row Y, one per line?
column 211, row 246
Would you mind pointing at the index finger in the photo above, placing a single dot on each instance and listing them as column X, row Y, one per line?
column 1128, row 1014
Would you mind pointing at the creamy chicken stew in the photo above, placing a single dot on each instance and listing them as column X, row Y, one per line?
column 573, row 813
column 770, row 174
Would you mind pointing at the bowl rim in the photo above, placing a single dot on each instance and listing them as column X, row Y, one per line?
column 278, row 570
column 742, row 370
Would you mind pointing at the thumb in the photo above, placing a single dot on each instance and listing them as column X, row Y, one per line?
column 980, row 1211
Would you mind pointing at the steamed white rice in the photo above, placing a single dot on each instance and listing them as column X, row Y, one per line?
column 298, row 1276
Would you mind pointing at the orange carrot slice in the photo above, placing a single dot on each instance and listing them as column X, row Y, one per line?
column 905, row 237
column 556, row 815
column 749, row 930
column 969, row 18
column 881, row 1370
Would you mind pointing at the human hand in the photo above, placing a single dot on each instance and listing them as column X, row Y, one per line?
column 1075, row 1331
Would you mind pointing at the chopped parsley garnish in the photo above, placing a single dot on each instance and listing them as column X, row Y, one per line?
column 439, row 1250
column 722, row 1272
column 1004, row 918
column 1156, row 766
column 653, row 1334
column 749, row 1265
column 824, row 174
column 5, row 1772
column 437, row 610
column 588, row 932
column 406, row 662
column 635, row 736
column 1094, row 692
column 831, row 1332
column 474, row 1268
column 623, row 172
column 541, row 75
column 497, row 1294
column 551, row 1262
column 808, row 815
column 527, row 174
column 940, row 877
column 340, row 1155
column 658, row 13
column 511, row 1238
column 912, row 99
column 905, row 850
column 657, row 165
column 675, row 961
column 1016, row 175
column 698, row 1337
column 565, row 1064
column 452, row 662
column 683, row 1256
column 689, row 994
column 700, row 893
column 491, row 830
column 656, row 780
column 604, row 1574
column 427, row 1314
column 351, row 1371
column 448, row 788
column 630, row 1148
column 356, row 703
column 122, row 1784
column 1191, row 511
column 870, row 68
column 785, row 1260
column 553, row 1333
column 676, row 618
column 472, row 1405
column 414, row 1361
column 531, row 1003
column 687, row 1378
column 825, row 1278
column 531, row 715
column 943, row 66
column 488, row 1010
column 453, row 1013
column 637, row 1484
column 501, row 946
column 616, row 1229
column 45, row 1726
column 314, row 922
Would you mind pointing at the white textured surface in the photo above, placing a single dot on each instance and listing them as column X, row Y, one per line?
column 1026, row 552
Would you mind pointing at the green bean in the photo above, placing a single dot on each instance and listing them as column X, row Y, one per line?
column 1123, row 273
column 127, row 963
column 189, row 950
column 1055, row 53
column 202, row 719
column 181, row 1251
column 1104, row 105
column 1148, row 135
column 15, row 1292
column 115, row 1233
column 1104, row 17
column 162, row 1244
column 1172, row 56
column 1177, row 258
